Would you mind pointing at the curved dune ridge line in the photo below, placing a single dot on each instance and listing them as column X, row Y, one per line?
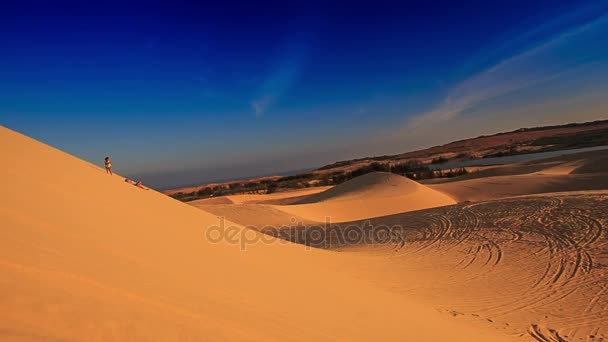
column 573, row 172
column 535, row 266
column 277, row 197
column 87, row 257
column 370, row 185
column 282, row 198
column 593, row 163
column 590, row 162
column 256, row 216
column 371, row 195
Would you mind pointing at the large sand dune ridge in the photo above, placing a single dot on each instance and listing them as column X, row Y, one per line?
column 85, row 256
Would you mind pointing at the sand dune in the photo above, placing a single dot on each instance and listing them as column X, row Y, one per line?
column 371, row 195
column 368, row 186
column 533, row 266
column 576, row 163
column 482, row 189
column 86, row 257
column 575, row 172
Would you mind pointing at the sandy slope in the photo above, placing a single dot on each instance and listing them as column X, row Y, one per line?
column 580, row 171
column 286, row 197
column 281, row 198
column 576, row 163
column 533, row 266
column 85, row 256
column 257, row 216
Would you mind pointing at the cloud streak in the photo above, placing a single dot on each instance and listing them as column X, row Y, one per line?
column 547, row 61
column 261, row 105
column 276, row 84
column 282, row 77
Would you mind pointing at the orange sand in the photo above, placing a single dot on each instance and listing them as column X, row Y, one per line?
column 86, row 257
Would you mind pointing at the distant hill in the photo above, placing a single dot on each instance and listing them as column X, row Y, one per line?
column 415, row 164
column 520, row 141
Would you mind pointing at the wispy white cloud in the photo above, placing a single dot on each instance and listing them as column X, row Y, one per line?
column 282, row 77
column 261, row 104
column 540, row 64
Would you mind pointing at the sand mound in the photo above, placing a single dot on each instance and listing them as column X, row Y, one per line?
column 371, row 195
column 575, row 172
column 371, row 185
column 576, row 163
column 482, row 189
column 590, row 162
column 86, row 257
column 596, row 162
column 532, row 265
column 564, row 168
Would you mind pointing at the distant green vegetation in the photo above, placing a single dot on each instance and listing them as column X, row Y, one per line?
column 508, row 151
column 439, row 160
column 353, row 161
column 411, row 169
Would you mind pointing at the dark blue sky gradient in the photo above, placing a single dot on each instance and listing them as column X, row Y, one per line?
column 188, row 92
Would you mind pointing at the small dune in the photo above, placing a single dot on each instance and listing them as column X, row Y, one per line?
column 371, row 195
column 595, row 162
column 368, row 186
column 574, row 172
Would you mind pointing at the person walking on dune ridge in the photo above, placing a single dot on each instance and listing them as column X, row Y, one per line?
column 108, row 163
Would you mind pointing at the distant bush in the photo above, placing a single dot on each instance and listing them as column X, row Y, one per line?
column 439, row 160
column 511, row 151
column 464, row 155
column 234, row 186
column 451, row 173
column 406, row 167
column 353, row 161
column 271, row 187
column 205, row 192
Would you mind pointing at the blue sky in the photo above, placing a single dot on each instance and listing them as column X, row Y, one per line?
column 188, row 92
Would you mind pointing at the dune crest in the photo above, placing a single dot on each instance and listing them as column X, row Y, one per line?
column 574, row 172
